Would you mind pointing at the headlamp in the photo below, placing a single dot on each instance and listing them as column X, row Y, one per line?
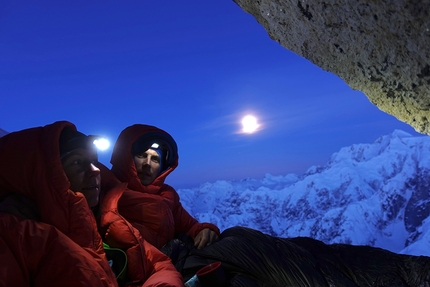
column 101, row 143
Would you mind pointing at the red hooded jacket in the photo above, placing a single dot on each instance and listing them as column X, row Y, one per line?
column 145, row 263
column 48, row 234
column 155, row 210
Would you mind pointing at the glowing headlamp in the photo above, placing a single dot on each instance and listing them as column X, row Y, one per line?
column 155, row 145
column 101, row 143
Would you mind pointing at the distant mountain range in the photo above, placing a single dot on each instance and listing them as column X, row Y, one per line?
column 367, row 194
column 2, row 132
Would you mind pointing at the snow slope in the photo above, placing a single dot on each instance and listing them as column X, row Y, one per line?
column 2, row 132
column 367, row 194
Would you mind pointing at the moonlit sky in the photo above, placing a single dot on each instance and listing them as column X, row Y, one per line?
column 193, row 68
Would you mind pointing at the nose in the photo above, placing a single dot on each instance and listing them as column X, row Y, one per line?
column 93, row 169
column 147, row 161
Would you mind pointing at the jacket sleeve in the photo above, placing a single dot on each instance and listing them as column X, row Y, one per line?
column 147, row 266
column 163, row 272
column 184, row 222
column 38, row 254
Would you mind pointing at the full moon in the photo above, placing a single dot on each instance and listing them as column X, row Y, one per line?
column 249, row 124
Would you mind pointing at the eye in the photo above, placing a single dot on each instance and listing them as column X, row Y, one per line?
column 155, row 159
column 76, row 162
column 142, row 155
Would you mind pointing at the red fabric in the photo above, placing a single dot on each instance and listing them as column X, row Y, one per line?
column 64, row 247
column 38, row 254
column 155, row 210
column 145, row 262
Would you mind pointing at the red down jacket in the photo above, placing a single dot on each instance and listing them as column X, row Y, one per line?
column 155, row 210
column 145, row 263
column 48, row 234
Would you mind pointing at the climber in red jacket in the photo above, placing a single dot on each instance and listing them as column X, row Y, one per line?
column 143, row 157
column 49, row 191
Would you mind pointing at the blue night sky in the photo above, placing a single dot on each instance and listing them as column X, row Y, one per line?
column 193, row 68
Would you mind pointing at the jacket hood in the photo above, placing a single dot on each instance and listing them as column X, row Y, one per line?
column 31, row 167
column 122, row 158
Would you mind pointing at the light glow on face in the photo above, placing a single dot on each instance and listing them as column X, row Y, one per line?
column 147, row 166
column 101, row 143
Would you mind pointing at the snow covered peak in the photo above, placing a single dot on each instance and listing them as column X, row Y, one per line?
column 369, row 194
column 3, row 132
column 400, row 134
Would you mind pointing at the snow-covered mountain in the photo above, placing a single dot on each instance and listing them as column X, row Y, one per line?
column 2, row 132
column 367, row 194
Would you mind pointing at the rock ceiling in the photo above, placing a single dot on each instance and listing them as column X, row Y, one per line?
column 379, row 47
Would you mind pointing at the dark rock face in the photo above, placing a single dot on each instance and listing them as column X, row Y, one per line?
column 380, row 47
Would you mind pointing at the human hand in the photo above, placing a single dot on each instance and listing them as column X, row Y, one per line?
column 204, row 238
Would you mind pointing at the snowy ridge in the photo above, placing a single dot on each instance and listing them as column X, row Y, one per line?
column 367, row 194
column 3, row 132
